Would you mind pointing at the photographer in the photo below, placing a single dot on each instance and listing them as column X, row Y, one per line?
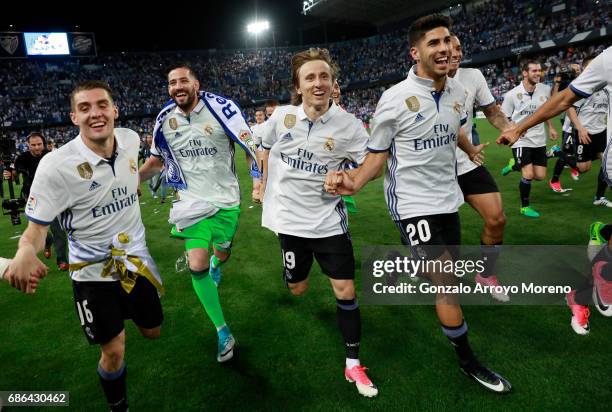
column 565, row 76
column 26, row 165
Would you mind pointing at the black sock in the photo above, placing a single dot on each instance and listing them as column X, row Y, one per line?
column 558, row 170
column 489, row 254
column 584, row 294
column 349, row 322
column 524, row 189
column 606, row 232
column 458, row 335
column 602, row 185
column 113, row 384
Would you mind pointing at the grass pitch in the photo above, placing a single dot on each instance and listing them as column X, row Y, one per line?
column 290, row 352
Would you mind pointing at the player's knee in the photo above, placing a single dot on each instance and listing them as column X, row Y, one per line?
column 344, row 289
column 496, row 222
column 298, row 289
column 528, row 175
column 112, row 356
column 583, row 167
column 154, row 333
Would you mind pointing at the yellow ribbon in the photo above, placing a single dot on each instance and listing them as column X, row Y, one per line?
column 127, row 277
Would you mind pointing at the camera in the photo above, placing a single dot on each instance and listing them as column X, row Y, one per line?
column 13, row 206
column 567, row 74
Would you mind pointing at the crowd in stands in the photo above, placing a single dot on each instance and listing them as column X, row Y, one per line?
column 34, row 94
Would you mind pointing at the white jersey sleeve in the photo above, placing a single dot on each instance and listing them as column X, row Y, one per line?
column 268, row 131
column 358, row 149
column 483, row 95
column 384, row 125
column 508, row 105
column 49, row 195
column 595, row 77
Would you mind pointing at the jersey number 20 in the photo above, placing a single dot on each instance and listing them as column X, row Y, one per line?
column 421, row 229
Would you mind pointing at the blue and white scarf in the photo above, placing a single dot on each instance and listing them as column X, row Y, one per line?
column 229, row 116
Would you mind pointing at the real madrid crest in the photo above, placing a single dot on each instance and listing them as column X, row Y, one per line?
column 85, row 171
column 519, row 96
column 289, row 121
column 208, row 130
column 244, row 135
column 173, row 123
column 329, row 145
column 133, row 167
column 457, row 107
column 542, row 98
column 413, row 104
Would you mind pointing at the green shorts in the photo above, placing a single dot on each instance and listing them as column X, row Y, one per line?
column 218, row 229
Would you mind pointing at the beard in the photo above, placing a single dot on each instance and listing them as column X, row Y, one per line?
column 190, row 99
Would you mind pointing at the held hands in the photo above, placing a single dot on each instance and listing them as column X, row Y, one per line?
column 509, row 136
column 339, row 183
column 25, row 271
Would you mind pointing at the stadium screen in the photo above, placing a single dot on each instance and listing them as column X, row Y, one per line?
column 46, row 44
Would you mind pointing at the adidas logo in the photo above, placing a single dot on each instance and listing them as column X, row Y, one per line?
column 288, row 136
column 94, row 185
column 419, row 117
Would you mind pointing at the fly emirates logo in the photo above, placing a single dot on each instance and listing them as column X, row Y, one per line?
column 442, row 138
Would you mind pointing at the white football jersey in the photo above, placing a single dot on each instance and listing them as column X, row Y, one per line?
column 419, row 128
column 597, row 76
column 518, row 105
column 205, row 155
column 479, row 95
column 95, row 200
column 257, row 132
column 301, row 154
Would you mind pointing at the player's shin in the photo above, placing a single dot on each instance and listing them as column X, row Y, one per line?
column 458, row 336
column 114, row 387
column 207, row 293
column 349, row 323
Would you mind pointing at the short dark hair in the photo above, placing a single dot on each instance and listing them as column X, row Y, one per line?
column 526, row 63
column 183, row 65
column 271, row 103
column 37, row 134
column 424, row 24
column 90, row 85
column 260, row 109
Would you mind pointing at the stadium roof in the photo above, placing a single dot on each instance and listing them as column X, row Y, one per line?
column 377, row 13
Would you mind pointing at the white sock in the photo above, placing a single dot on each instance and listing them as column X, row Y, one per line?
column 221, row 327
column 351, row 363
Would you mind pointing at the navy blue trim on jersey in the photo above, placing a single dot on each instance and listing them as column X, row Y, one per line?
column 604, row 164
column 341, row 210
column 464, row 121
column 392, row 199
column 436, row 96
column 579, row 92
column 40, row 222
column 65, row 221
column 378, row 150
column 266, row 148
